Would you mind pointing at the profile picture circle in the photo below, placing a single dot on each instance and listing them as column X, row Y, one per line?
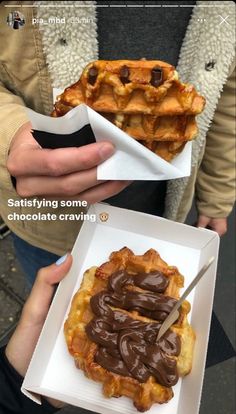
column 16, row 20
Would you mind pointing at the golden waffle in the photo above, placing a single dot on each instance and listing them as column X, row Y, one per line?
column 81, row 319
column 143, row 98
column 165, row 149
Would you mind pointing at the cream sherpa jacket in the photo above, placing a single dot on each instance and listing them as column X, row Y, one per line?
column 34, row 59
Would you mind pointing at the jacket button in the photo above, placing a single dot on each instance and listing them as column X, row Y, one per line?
column 63, row 41
column 210, row 65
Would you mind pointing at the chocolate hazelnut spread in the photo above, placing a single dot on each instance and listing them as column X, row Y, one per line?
column 128, row 346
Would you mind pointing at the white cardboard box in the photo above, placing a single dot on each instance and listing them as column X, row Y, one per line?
column 52, row 371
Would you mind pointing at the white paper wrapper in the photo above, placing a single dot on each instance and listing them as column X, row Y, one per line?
column 131, row 161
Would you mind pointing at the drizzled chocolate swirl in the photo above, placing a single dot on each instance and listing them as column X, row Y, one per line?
column 127, row 346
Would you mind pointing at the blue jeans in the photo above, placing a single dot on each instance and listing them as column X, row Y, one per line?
column 31, row 258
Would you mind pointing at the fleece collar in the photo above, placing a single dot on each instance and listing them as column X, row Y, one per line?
column 70, row 42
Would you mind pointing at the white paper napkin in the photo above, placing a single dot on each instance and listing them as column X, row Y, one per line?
column 131, row 161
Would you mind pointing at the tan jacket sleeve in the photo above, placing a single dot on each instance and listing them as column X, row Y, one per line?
column 215, row 186
column 12, row 117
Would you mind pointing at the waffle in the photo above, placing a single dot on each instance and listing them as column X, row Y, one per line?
column 100, row 342
column 143, row 98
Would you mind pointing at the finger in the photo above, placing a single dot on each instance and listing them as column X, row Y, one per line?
column 37, row 304
column 203, row 221
column 68, row 185
column 29, row 160
column 219, row 225
column 103, row 191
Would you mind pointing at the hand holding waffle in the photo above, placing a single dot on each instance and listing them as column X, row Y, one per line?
column 30, row 325
column 62, row 172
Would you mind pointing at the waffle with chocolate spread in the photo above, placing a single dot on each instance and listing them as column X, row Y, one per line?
column 143, row 98
column 113, row 323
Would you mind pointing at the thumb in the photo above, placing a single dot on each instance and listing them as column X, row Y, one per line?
column 203, row 221
column 39, row 300
column 54, row 273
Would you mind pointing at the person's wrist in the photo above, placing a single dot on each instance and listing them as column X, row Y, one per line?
column 11, row 361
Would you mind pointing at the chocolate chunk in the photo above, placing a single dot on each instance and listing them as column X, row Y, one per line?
column 92, row 75
column 157, row 77
column 124, row 74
